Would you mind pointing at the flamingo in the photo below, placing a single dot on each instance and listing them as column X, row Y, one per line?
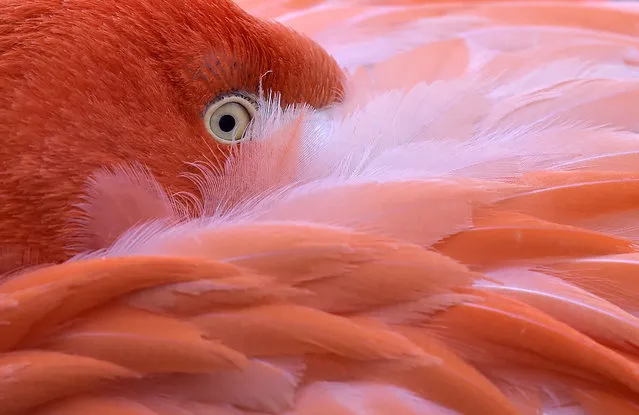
column 319, row 207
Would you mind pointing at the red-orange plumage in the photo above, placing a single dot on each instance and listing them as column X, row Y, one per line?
column 87, row 85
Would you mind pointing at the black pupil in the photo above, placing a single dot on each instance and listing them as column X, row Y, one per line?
column 227, row 123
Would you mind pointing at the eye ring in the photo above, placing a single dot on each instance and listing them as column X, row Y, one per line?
column 227, row 118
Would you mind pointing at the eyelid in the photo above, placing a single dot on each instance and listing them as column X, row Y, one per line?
column 242, row 94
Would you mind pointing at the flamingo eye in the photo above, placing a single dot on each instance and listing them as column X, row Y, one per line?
column 227, row 118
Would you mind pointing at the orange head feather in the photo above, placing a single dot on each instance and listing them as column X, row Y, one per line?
column 87, row 84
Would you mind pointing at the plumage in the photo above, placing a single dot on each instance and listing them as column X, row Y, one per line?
column 141, row 73
column 441, row 220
